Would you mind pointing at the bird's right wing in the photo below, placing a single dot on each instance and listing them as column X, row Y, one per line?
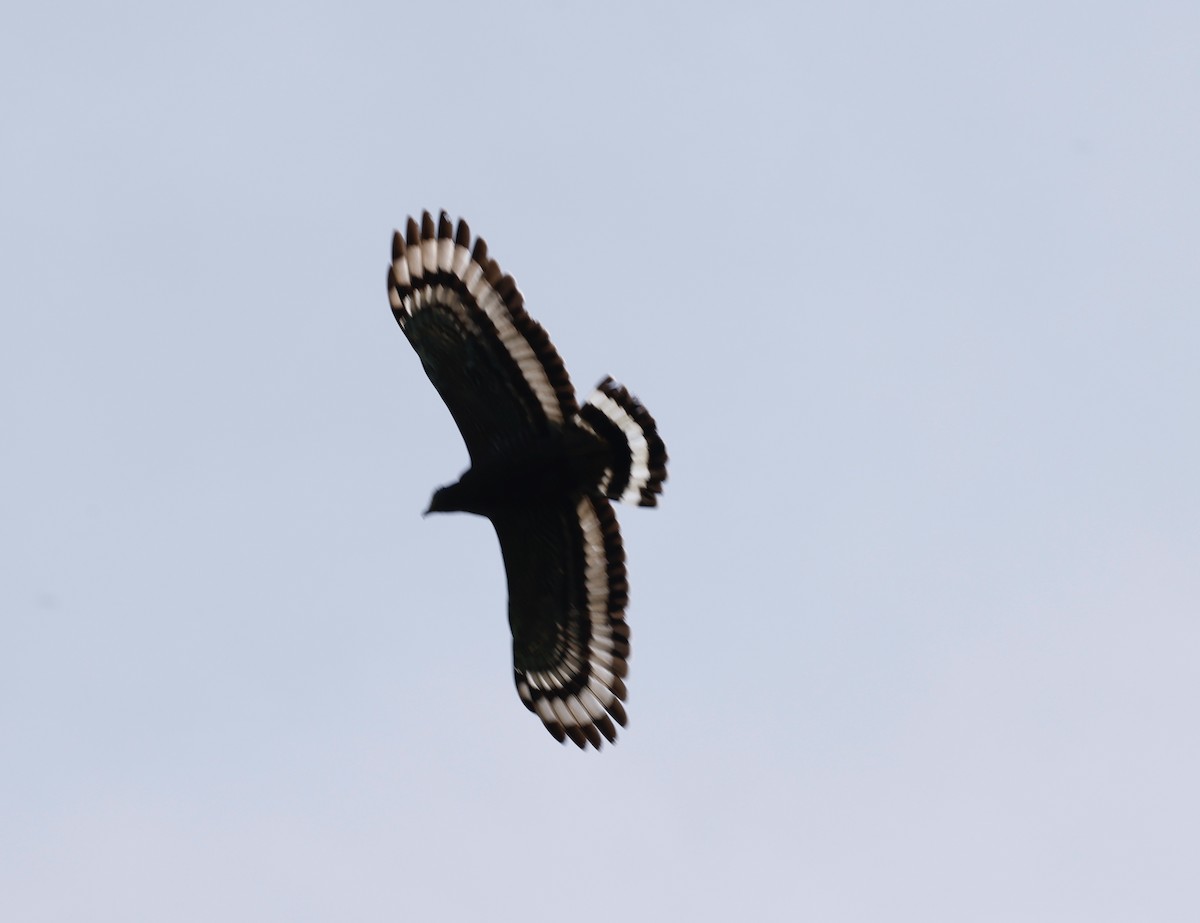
column 493, row 364
column 567, row 593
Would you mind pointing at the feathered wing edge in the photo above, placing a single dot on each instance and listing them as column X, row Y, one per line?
column 581, row 698
column 640, row 457
column 439, row 265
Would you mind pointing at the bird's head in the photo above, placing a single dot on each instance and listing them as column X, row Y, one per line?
column 440, row 502
column 452, row 498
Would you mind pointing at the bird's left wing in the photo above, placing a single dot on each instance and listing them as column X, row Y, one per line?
column 567, row 593
column 493, row 364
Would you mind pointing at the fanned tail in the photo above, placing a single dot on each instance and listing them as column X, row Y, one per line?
column 639, row 456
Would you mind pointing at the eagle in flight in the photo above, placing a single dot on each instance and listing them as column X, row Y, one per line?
column 543, row 470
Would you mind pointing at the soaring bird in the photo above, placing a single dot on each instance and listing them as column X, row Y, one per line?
column 543, row 470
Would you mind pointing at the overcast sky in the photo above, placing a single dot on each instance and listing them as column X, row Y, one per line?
column 913, row 291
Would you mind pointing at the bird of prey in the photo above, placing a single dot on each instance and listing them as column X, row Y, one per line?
column 543, row 470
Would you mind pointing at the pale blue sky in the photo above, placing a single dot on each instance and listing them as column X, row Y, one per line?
column 912, row 291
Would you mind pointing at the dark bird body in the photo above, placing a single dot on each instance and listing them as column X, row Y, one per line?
column 543, row 470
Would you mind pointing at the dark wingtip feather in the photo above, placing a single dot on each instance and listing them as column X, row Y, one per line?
column 428, row 232
column 397, row 246
column 393, row 287
column 412, row 233
column 604, row 723
column 445, row 228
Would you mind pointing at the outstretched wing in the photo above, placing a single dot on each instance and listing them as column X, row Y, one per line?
column 492, row 363
column 566, row 606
